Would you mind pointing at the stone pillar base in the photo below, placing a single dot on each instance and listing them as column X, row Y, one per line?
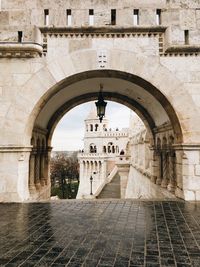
column 42, row 182
column 179, row 193
column 32, row 189
column 158, row 181
column 171, row 188
column 38, row 185
column 164, row 184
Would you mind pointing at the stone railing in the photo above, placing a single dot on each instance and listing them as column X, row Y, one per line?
column 108, row 180
column 91, row 155
column 145, row 172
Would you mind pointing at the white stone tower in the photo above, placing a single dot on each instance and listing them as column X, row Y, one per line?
column 101, row 147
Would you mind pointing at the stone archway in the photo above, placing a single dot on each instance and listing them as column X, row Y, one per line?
column 143, row 83
column 116, row 84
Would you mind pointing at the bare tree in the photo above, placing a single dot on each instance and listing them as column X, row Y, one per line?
column 64, row 171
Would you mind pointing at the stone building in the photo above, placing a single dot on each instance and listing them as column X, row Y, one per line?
column 102, row 145
column 119, row 161
column 55, row 54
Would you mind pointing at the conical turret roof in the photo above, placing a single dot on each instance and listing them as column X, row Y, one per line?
column 92, row 114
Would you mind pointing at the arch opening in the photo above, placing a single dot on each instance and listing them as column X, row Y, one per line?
column 143, row 98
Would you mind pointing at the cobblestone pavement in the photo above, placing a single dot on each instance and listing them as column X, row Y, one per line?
column 100, row 233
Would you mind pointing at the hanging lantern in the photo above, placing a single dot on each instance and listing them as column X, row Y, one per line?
column 101, row 104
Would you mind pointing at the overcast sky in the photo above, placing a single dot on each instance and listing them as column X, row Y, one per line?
column 69, row 133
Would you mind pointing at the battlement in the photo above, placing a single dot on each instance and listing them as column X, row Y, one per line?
column 181, row 18
column 115, row 133
column 107, row 133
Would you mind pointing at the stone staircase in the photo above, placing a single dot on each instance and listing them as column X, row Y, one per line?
column 112, row 189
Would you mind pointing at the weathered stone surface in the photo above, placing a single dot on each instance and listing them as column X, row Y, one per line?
column 154, row 69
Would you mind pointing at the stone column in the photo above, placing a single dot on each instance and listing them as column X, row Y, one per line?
column 42, row 168
column 172, row 179
column 47, row 166
column 89, row 170
column 32, row 173
column 159, row 167
column 164, row 182
column 155, row 172
column 37, row 170
column 84, row 171
column 99, row 170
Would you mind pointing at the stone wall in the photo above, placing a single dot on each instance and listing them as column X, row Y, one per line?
column 177, row 15
column 153, row 69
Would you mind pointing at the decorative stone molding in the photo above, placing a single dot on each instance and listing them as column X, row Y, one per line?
column 103, row 30
column 187, row 147
column 120, row 32
column 15, row 149
column 20, row 50
column 183, row 50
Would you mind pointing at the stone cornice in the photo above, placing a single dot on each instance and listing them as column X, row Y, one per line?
column 39, row 130
column 20, row 50
column 163, row 128
column 183, row 147
column 183, row 49
column 103, row 30
column 15, row 149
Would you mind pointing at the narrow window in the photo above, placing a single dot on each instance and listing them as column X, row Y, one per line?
column 136, row 17
column 69, row 17
column 20, row 36
column 113, row 16
column 186, row 34
column 46, row 17
column 158, row 16
column 91, row 17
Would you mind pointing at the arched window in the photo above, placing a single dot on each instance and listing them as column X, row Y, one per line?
column 110, row 147
column 122, row 152
column 96, row 127
column 113, row 149
column 104, row 149
column 93, row 148
column 91, row 127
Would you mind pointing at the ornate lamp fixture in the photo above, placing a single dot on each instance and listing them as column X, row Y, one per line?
column 101, row 104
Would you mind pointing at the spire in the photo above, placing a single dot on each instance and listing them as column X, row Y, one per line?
column 93, row 113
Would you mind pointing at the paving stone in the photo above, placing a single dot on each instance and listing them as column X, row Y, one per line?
column 100, row 233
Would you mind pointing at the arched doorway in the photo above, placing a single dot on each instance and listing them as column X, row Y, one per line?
column 134, row 92
column 139, row 82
